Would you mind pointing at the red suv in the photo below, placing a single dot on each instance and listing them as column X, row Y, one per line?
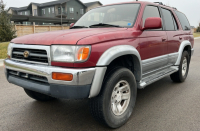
column 106, row 56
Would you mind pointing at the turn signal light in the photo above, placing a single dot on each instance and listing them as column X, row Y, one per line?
column 83, row 53
column 62, row 76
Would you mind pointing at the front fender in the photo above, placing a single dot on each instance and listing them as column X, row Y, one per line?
column 115, row 52
column 107, row 57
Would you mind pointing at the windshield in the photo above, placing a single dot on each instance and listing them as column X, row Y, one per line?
column 123, row 15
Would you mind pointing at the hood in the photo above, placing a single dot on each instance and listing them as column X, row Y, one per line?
column 71, row 36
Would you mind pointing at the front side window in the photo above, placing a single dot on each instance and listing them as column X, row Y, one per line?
column 167, row 16
column 150, row 11
column 123, row 15
column 71, row 10
column 184, row 21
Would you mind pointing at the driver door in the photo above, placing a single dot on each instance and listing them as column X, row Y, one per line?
column 153, row 46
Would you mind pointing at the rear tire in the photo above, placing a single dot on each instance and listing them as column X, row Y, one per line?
column 114, row 105
column 181, row 74
column 38, row 96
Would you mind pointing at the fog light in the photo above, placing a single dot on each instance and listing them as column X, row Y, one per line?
column 62, row 76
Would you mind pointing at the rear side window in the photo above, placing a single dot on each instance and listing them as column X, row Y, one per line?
column 168, row 19
column 184, row 21
column 150, row 11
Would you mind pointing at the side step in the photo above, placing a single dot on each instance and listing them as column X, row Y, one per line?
column 157, row 76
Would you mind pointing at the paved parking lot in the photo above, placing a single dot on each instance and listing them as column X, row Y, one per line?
column 162, row 106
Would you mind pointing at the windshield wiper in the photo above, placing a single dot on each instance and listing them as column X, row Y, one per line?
column 104, row 25
column 76, row 27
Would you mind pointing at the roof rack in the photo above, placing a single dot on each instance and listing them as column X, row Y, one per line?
column 174, row 8
column 160, row 3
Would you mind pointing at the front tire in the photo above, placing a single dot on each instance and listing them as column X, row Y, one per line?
column 114, row 105
column 181, row 74
column 38, row 96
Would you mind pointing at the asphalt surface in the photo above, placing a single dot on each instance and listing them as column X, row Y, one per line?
column 162, row 106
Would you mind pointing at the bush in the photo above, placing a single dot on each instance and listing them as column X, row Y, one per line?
column 198, row 29
column 7, row 32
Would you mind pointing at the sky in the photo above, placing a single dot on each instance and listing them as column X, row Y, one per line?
column 191, row 8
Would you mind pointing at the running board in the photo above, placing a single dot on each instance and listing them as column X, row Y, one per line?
column 157, row 76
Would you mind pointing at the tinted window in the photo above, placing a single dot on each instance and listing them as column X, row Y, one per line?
column 184, row 21
column 167, row 16
column 150, row 11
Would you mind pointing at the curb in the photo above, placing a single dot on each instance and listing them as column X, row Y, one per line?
column 197, row 38
column 1, row 62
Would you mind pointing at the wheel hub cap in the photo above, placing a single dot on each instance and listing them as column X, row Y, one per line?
column 120, row 97
column 184, row 66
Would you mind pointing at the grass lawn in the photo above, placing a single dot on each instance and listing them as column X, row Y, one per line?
column 197, row 34
column 3, row 50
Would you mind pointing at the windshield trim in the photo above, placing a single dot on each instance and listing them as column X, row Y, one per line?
column 136, row 16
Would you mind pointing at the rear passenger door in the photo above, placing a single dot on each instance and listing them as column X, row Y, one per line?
column 173, row 33
column 153, row 47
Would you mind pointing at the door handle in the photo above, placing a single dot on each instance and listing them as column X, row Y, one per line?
column 164, row 39
column 180, row 38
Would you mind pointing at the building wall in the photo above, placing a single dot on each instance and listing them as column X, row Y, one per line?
column 47, row 13
column 33, row 8
column 77, row 7
column 93, row 6
column 72, row 3
column 23, row 12
column 10, row 11
column 57, row 12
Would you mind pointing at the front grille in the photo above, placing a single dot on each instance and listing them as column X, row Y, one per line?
column 36, row 78
column 35, row 55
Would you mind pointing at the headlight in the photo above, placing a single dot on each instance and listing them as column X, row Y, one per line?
column 9, row 51
column 63, row 53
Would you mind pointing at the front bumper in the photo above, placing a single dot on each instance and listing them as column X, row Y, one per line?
column 79, row 87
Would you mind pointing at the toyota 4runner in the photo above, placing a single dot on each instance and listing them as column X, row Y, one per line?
column 105, row 56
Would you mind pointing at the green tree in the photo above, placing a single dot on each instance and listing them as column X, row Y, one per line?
column 7, row 31
column 198, row 29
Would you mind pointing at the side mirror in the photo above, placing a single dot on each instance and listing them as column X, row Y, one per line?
column 71, row 25
column 152, row 23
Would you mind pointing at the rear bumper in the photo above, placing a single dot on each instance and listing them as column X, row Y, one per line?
column 79, row 87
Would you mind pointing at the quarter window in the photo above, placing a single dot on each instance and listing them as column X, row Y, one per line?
column 150, row 11
column 184, row 21
column 167, row 16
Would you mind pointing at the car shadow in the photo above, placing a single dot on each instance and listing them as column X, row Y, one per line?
column 74, row 114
